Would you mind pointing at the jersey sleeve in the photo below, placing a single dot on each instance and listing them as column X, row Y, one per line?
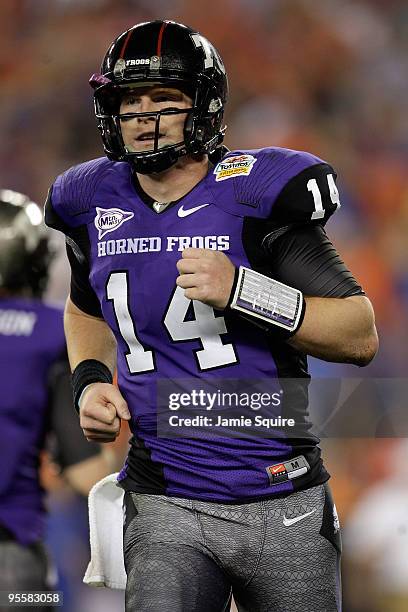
column 81, row 293
column 68, row 209
column 308, row 197
column 284, row 186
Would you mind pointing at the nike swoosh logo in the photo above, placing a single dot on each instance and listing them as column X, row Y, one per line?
column 184, row 213
column 275, row 470
column 287, row 522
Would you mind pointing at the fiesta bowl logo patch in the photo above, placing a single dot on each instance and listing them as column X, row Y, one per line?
column 234, row 166
column 109, row 219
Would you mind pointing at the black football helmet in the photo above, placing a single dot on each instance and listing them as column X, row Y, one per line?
column 24, row 248
column 171, row 54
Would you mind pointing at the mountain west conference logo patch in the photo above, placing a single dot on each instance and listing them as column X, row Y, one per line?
column 109, row 219
column 234, row 166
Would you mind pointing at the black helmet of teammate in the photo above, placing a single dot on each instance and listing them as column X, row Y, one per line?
column 171, row 54
column 24, row 250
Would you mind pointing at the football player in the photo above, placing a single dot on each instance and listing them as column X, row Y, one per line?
column 190, row 261
column 34, row 402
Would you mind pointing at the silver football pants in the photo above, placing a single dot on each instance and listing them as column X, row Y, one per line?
column 276, row 555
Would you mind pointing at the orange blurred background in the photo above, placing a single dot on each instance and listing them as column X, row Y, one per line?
column 329, row 76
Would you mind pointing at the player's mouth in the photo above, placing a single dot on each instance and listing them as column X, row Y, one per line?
column 148, row 137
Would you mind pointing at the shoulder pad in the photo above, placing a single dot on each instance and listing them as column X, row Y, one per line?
column 72, row 193
column 273, row 183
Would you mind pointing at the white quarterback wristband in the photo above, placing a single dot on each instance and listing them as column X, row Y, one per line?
column 269, row 300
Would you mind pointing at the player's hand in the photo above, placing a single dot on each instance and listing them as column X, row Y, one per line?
column 102, row 408
column 206, row 275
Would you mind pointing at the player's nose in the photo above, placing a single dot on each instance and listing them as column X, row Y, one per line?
column 147, row 105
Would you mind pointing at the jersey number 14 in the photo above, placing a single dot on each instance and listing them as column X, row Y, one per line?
column 206, row 327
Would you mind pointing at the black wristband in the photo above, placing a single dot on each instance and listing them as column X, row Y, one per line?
column 86, row 373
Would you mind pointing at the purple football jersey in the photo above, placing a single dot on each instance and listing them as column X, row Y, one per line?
column 31, row 340
column 161, row 335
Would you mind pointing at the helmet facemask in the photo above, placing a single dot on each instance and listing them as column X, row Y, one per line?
column 159, row 156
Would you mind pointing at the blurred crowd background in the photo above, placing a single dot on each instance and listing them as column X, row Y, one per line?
column 328, row 76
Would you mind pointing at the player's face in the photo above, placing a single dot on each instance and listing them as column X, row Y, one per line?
column 138, row 132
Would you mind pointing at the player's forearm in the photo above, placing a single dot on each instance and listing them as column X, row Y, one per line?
column 88, row 338
column 341, row 330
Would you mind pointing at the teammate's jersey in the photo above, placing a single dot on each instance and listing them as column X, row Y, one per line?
column 31, row 340
column 132, row 252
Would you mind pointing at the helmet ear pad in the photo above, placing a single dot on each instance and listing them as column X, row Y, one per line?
column 203, row 129
column 107, row 104
column 206, row 133
column 189, row 128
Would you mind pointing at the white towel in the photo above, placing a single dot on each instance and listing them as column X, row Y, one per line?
column 106, row 567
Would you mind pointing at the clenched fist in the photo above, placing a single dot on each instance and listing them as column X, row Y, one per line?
column 102, row 408
column 206, row 275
